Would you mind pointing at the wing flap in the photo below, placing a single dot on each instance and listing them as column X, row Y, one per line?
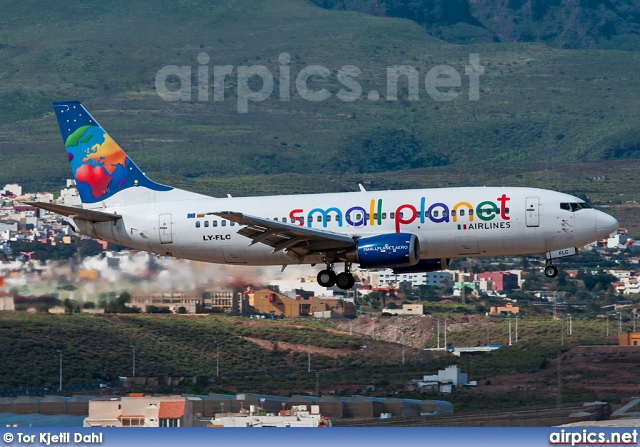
column 281, row 235
column 77, row 213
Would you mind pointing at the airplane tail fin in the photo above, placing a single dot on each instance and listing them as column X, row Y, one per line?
column 100, row 167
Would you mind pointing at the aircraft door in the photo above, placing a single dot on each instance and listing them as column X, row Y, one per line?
column 165, row 226
column 532, row 211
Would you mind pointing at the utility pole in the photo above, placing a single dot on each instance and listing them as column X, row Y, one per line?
column 438, row 320
column 134, row 360
column 517, row 328
column 607, row 325
column 559, row 401
column 403, row 346
column 619, row 324
column 562, row 331
column 487, row 335
column 217, row 359
column 445, row 334
column 509, row 330
column 308, row 353
column 60, row 386
column 570, row 325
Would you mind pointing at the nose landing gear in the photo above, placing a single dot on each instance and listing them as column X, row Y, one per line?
column 551, row 271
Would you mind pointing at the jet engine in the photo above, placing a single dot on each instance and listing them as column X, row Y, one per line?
column 386, row 251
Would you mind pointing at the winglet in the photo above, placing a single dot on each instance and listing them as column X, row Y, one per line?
column 362, row 188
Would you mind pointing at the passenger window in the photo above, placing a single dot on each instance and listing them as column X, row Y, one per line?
column 445, row 213
column 436, row 213
column 215, row 223
column 392, row 215
column 366, row 216
column 384, row 215
column 453, row 213
column 506, row 210
column 400, row 214
column 461, row 213
column 223, row 223
column 375, row 216
column 471, row 212
column 329, row 218
column 301, row 219
column 206, row 223
column 319, row 219
column 358, row 216
column 275, row 218
column 284, row 219
column 232, row 223
column 197, row 224
column 337, row 217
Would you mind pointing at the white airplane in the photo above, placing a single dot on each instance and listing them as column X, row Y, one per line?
column 410, row 231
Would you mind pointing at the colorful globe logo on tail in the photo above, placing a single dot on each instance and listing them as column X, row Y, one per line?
column 101, row 168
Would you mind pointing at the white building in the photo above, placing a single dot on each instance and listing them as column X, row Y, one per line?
column 616, row 240
column 69, row 196
column 298, row 416
column 142, row 411
column 13, row 189
column 407, row 309
column 386, row 277
column 308, row 284
column 451, row 374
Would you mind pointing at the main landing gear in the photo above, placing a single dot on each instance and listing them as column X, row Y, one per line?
column 344, row 280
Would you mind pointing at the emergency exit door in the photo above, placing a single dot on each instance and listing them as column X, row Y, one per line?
column 165, row 226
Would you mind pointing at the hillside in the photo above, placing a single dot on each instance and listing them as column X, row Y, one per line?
column 564, row 24
column 210, row 147
column 271, row 356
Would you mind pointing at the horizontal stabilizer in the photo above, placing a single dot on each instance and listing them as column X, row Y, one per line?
column 77, row 213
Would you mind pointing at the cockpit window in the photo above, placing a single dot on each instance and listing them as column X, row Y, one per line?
column 574, row 206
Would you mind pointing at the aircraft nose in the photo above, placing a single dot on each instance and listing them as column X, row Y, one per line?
column 605, row 224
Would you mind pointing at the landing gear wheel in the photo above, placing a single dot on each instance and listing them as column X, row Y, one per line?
column 345, row 280
column 551, row 271
column 327, row 278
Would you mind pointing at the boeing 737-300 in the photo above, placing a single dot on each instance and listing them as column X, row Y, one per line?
column 417, row 230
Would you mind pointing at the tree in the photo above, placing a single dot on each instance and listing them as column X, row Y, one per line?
column 385, row 149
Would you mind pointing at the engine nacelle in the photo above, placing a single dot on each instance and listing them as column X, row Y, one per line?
column 424, row 266
column 386, row 251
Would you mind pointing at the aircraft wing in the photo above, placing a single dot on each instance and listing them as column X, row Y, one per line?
column 280, row 235
column 77, row 213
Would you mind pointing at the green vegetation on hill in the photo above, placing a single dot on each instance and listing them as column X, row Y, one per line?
column 585, row 94
column 98, row 347
column 585, row 24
